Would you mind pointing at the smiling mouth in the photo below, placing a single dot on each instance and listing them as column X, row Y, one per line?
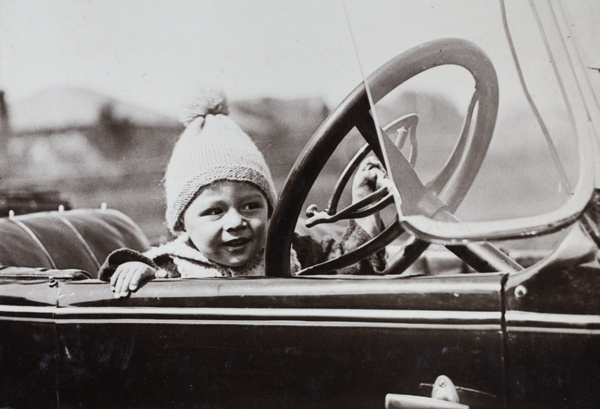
column 240, row 242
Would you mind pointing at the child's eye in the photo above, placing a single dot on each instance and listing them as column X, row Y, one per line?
column 214, row 211
column 253, row 206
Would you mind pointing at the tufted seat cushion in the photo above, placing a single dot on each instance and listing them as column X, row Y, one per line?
column 75, row 239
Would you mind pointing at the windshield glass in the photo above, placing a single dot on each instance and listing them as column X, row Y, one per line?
column 532, row 166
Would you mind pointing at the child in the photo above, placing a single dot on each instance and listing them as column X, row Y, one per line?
column 220, row 196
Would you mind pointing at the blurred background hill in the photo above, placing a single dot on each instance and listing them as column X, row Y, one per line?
column 95, row 149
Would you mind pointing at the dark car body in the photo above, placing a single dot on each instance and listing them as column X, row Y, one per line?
column 528, row 339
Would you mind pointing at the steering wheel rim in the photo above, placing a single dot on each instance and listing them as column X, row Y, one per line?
column 452, row 182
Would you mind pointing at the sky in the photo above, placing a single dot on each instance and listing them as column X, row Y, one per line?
column 151, row 52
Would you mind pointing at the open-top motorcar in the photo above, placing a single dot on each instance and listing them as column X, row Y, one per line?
column 491, row 294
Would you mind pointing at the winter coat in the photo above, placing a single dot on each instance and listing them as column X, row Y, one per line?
column 179, row 258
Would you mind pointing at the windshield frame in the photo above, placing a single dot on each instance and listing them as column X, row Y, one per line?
column 553, row 24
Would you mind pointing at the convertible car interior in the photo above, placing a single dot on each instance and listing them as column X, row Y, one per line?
column 72, row 244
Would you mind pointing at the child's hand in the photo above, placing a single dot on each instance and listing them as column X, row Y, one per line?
column 370, row 176
column 129, row 276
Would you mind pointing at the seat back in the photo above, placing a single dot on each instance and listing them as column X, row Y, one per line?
column 74, row 239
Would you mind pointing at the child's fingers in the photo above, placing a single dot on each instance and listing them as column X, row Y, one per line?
column 134, row 283
column 126, row 282
column 121, row 288
column 377, row 173
column 128, row 277
column 371, row 162
column 118, row 277
column 381, row 179
column 141, row 271
column 371, row 169
column 364, row 180
column 113, row 279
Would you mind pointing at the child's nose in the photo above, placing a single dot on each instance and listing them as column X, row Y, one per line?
column 234, row 220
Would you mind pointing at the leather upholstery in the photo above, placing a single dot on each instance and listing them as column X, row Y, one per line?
column 75, row 239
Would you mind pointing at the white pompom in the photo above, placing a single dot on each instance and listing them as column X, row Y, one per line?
column 206, row 100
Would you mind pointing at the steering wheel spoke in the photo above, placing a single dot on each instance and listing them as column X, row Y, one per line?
column 367, row 206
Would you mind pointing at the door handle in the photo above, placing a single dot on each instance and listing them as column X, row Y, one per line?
column 395, row 401
column 444, row 395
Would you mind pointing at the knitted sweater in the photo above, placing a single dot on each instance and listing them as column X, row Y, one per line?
column 179, row 258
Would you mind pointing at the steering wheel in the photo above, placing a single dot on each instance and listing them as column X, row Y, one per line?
column 445, row 191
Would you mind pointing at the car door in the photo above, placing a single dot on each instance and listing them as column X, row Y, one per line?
column 553, row 326
column 277, row 342
column 27, row 340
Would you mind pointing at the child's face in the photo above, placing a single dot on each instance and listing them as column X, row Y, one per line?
column 227, row 222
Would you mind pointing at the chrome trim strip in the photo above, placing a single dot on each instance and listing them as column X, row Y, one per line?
column 522, row 321
column 258, row 316
column 441, row 314
column 27, row 319
column 29, row 309
column 43, row 314
column 284, row 323
column 293, row 313
column 561, row 331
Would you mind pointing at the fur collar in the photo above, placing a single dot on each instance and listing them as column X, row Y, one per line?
column 191, row 263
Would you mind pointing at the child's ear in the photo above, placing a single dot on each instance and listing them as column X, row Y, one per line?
column 179, row 228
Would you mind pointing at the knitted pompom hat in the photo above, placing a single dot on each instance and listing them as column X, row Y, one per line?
column 210, row 149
